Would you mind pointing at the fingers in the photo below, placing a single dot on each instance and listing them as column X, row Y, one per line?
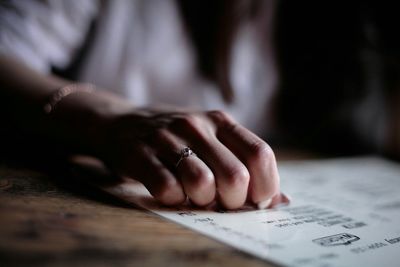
column 257, row 156
column 156, row 177
column 231, row 176
column 215, row 169
column 197, row 180
column 195, row 176
column 232, row 164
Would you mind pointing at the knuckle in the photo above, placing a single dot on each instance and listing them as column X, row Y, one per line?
column 270, row 189
column 190, row 121
column 161, row 134
column 219, row 116
column 260, row 153
column 204, row 180
column 237, row 176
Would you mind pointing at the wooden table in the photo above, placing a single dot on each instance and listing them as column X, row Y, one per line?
column 44, row 222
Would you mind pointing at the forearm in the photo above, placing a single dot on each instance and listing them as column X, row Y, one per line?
column 23, row 90
column 76, row 119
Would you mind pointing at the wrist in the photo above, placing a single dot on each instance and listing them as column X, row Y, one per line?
column 81, row 118
column 65, row 91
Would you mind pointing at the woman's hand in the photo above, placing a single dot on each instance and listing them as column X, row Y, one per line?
column 231, row 164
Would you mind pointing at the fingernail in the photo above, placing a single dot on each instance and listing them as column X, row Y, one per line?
column 264, row 204
column 283, row 201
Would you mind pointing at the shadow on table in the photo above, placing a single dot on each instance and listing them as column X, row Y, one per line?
column 54, row 171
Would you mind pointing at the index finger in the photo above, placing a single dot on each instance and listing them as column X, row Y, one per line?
column 256, row 154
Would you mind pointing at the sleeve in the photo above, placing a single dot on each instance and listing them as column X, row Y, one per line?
column 44, row 33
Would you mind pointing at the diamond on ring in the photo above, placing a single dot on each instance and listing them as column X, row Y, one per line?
column 185, row 152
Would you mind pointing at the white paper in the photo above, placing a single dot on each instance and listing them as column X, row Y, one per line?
column 344, row 212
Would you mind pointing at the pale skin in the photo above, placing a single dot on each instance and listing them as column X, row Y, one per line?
column 232, row 165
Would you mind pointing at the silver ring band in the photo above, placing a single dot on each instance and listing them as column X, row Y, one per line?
column 185, row 153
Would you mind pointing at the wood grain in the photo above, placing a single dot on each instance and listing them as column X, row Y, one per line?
column 45, row 223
